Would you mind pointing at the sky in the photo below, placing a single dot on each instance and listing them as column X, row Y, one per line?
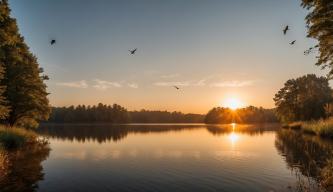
column 213, row 50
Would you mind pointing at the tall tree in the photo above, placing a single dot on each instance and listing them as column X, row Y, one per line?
column 6, row 39
column 304, row 98
column 25, row 89
column 320, row 27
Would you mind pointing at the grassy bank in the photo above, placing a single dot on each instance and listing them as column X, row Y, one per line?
column 13, row 138
column 322, row 128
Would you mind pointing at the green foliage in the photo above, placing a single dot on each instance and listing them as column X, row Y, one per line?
column 320, row 27
column 302, row 99
column 249, row 114
column 23, row 82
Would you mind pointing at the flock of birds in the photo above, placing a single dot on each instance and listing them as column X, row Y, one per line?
column 285, row 30
column 306, row 52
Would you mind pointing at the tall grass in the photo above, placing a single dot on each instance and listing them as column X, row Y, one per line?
column 323, row 128
column 12, row 137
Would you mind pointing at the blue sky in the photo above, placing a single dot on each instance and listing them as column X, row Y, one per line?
column 213, row 50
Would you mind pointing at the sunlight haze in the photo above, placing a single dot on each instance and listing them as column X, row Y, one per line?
column 212, row 50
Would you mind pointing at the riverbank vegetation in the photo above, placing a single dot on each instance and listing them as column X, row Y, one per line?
column 13, row 138
column 322, row 128
column 305, row 104
column 251, row 114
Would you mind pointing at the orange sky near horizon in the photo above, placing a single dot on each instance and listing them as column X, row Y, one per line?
column 212, row 50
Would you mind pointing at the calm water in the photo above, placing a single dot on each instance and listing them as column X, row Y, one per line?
column 171, row 158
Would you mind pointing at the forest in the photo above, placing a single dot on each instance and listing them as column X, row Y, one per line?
column 115, row 113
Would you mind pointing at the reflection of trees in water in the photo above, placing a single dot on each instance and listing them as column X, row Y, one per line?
column 21, row 170
column 250, row 129
column 105, row 133
column 308, row 155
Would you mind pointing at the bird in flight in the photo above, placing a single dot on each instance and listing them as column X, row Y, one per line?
column 285, row 30
column 132, row 51
column 293, row 42
column 176, row 87
column 53, row 41
column 308, row 51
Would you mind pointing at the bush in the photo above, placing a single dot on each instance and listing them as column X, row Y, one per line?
column 13, row 138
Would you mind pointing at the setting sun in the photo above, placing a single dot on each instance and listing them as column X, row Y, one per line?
column 233, row 103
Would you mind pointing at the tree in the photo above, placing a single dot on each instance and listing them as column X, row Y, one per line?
column 320, row 27
column 4, row 41
column 304, row 98
column 25, row 89
column 4, row 109
column 250, row 114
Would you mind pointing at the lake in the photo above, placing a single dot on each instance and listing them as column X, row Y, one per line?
column 170, row 157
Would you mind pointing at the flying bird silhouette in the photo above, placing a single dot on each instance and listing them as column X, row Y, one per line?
column 132, row 52
column 176, row 87
column 53, row 41
column 285, row 30
column 293, row 42
column 310, row 50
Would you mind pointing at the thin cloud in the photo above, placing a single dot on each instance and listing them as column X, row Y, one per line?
column 202, row 82
column 133, row 85
column 232, row 84
column 75, row 84
column 104, row 85
column 173, row 83
column 181, row 83
column 170, row 76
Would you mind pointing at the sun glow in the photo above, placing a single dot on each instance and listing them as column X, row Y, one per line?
column 233, row 103
column 233, row 136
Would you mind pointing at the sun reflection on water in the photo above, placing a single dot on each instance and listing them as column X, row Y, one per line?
column 233, row 136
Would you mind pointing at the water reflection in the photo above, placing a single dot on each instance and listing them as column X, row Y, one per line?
column 309, row 156
column 170, row 158
column 106, row 133
column 233, row 136
column 21, row 170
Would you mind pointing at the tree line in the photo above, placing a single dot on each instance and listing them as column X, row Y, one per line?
column 250, row 114
column 102, row 113
column 23, row 95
